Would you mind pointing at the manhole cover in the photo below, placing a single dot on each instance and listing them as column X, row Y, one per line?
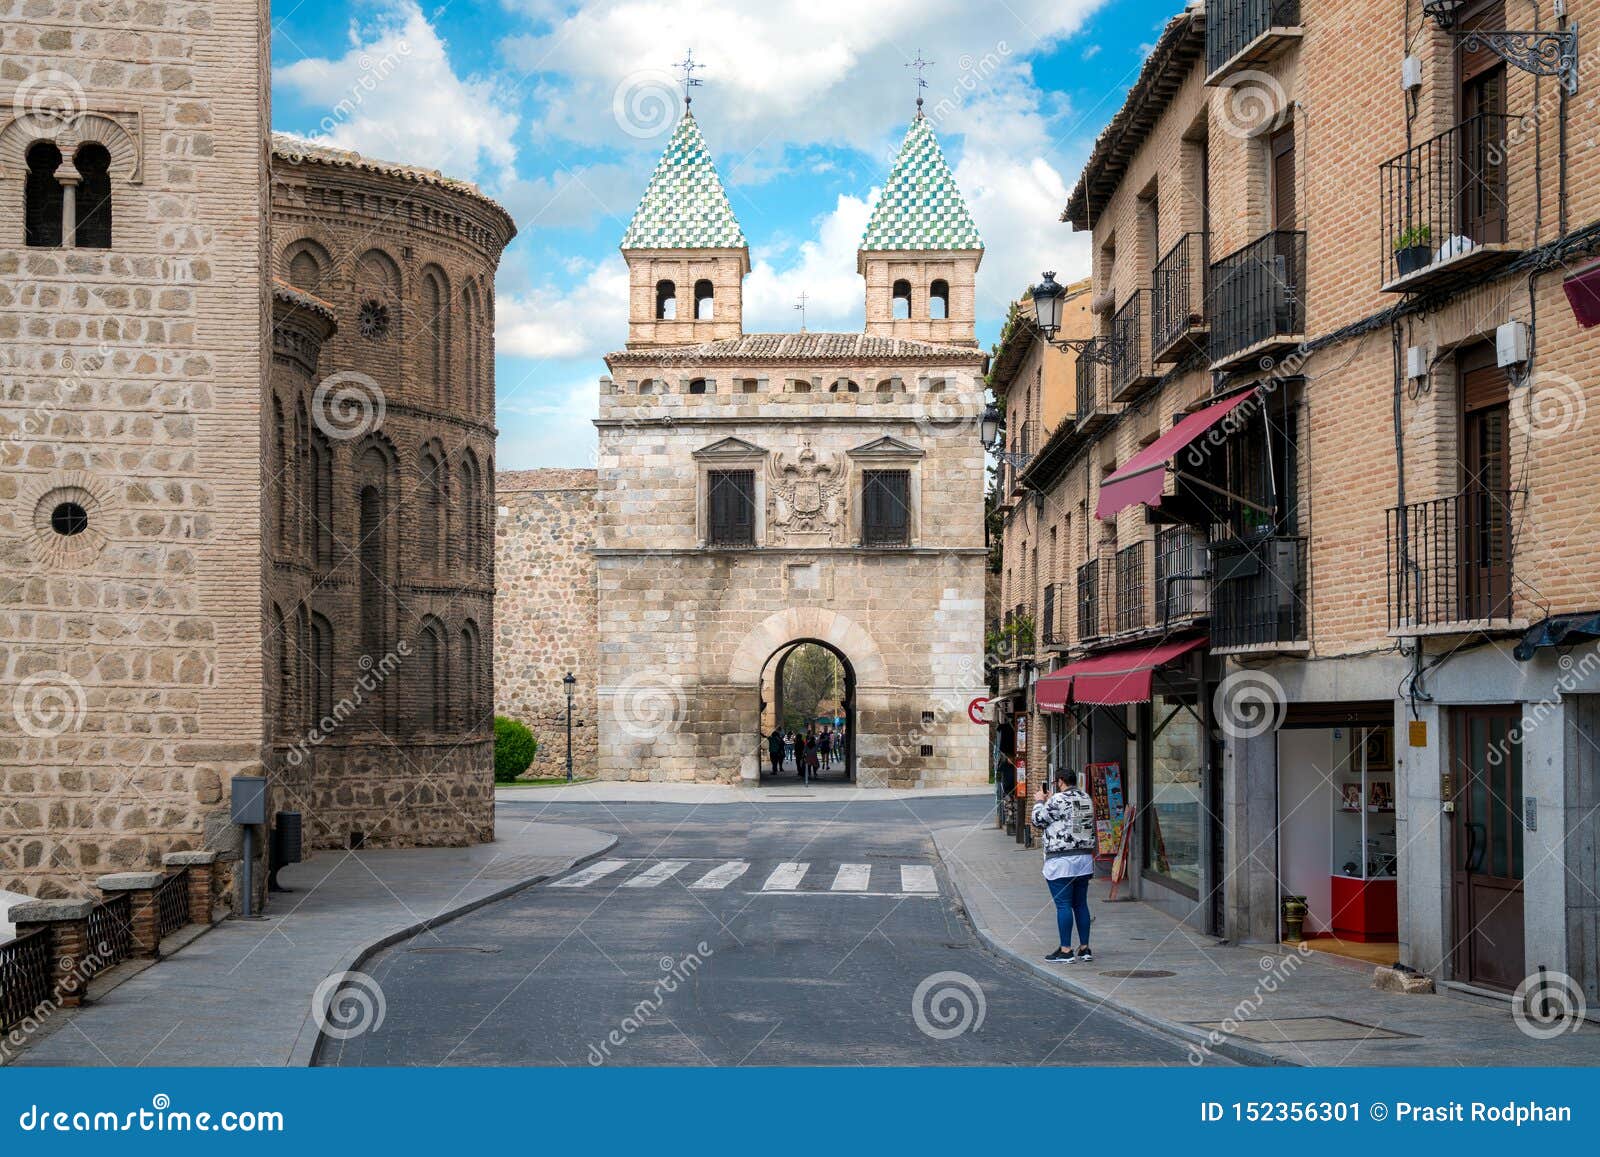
column 1138, row 973
column 486, row 949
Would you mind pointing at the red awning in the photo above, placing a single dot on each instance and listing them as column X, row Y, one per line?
column 1112, row 679
column 1142, row 477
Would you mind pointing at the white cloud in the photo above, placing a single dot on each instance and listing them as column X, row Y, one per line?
column 824, row 269
column 553, row 427
column 394, row 95
column 553, row 322
column 790, row 73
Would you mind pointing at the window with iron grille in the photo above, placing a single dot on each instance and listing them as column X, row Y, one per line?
column 886, row 508
column 731, row 507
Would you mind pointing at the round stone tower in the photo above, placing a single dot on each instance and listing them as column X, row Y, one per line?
column 380, row 499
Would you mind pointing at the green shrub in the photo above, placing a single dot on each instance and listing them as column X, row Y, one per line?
column 514, row 747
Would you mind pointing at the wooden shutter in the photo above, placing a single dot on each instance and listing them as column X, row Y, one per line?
column 886, row 508
column 732, row 501
column 1285, row 210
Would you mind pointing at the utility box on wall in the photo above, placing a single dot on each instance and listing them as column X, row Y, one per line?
column 249, row 799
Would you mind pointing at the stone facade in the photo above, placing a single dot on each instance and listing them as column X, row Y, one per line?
column 690, row 618
column 181, row 542
column 545, row 612
column 131, row 551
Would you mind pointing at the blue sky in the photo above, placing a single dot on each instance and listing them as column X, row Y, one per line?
column 559, row 110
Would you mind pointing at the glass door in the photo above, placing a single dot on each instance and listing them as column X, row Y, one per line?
column 1486, row 851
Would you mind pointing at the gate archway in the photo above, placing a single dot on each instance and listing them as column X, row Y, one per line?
column 814, row 699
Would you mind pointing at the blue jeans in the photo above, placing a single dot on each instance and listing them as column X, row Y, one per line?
column 1072, row 903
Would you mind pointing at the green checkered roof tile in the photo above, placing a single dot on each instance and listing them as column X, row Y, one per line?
column 684, row 206
column 920, row 206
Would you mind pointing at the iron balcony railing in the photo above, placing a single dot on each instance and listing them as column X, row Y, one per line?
column 1133, row 592
column 1178, row 293
column 1450, row 560
column 1232, row 25
column 1051, row 632
column 1258, row 295
column 1446, row 197
column 1088, row 383
column 1180, row 587
column 1130, row 363
column 1258, row 592
column 1091, row 607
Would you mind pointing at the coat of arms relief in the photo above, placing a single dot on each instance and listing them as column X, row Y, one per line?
column 805, row 497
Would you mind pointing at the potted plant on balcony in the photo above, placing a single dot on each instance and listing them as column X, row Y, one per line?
column 1413, row 249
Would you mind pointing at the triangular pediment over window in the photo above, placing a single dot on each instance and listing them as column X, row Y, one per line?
column 730, row 449
column 886, row 447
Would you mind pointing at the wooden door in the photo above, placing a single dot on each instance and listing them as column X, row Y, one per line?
column 1486, row 851
column 1483, row 589
column 1480, row 145
column 1285, row 207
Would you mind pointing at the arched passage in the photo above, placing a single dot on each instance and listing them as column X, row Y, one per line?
column 808, row 695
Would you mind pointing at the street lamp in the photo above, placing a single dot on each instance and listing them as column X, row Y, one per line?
column 1048, row 299
column 569, row 683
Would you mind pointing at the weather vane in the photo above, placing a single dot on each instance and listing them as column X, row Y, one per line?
column 688, row 67
column 919, row 64
column 801, row 306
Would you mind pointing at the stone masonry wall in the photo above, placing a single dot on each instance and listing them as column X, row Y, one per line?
column 131, row 685
column 545, row 612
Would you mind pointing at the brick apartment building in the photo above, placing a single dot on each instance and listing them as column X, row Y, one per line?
column 1310, row 560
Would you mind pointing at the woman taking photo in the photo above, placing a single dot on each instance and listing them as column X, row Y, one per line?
column 1067, row 820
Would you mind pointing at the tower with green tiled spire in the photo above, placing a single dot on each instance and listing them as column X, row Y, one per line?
column 686, row 253
column 921, row 249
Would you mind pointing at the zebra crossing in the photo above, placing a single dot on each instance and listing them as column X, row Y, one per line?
column 789, row 878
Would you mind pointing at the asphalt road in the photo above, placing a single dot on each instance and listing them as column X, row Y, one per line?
column 701, row 939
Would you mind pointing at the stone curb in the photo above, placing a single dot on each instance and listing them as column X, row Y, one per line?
column 1185, row 1033
column 308, row 1046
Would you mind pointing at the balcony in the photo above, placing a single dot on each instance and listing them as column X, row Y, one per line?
column 1091, row 621
column 1092, row 411
column 1132, row 373
column 1244, row 34
column 1444, row 207
column 1450, row 563
column 1257, row 301
column 1258, row 595
column 1178, row 295
column 1133, row 593
column 1053, row 628
column 1181, row 586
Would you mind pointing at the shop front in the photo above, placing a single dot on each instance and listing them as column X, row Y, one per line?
column 1140, row 718
column 1338, row 852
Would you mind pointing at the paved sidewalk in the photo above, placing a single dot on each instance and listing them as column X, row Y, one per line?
column 1202, row 983
column 779, row 791
column 241, row 993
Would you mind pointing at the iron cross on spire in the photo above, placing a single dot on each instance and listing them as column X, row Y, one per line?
column 801, row 306
column 920, row 65
column 688, row 66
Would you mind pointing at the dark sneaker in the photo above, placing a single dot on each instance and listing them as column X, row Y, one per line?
column 1060, row 957
column 1085, row 955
